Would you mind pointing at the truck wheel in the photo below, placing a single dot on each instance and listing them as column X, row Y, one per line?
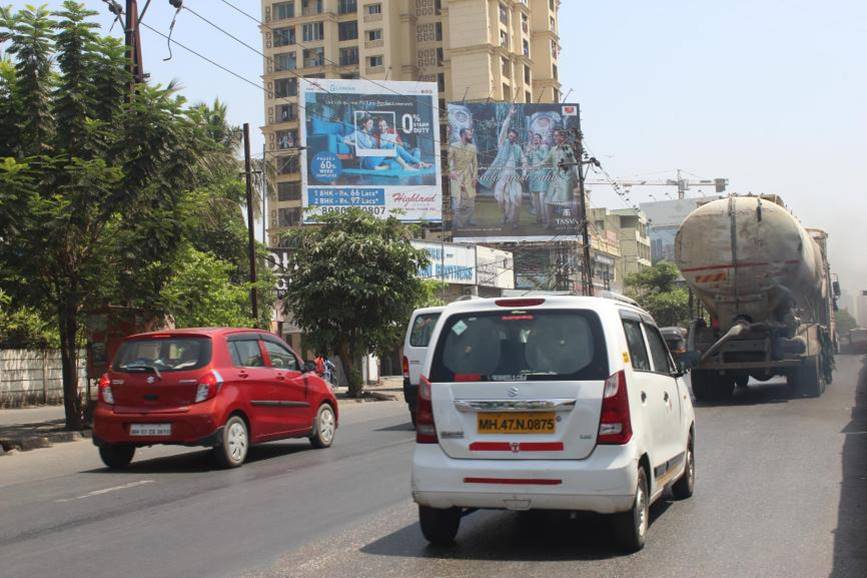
column 724, row 388
column 742, row 381
column 700, row 381
column 439, row 526
column 810, row 381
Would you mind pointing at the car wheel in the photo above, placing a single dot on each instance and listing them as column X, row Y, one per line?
column 324, row 427
column 236, row 441
column 684, row 487
column 117, row 457
column 630, row 527
column 439, row 526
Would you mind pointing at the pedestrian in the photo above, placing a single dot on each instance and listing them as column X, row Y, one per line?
column 329, row 372
column 320, row 364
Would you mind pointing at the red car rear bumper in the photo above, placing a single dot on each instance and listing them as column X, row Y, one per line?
column 193, row 425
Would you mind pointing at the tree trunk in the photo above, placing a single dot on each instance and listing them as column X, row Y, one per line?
column 353, row 377
column 69, row 360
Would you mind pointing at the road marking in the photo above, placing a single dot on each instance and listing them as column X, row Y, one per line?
column 106, row 491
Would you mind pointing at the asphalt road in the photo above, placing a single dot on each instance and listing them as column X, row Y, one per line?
column 781, row 491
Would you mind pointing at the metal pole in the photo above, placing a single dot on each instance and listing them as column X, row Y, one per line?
column 264, row 195
column 248, row 170
column 133, row 43
column 587, row 266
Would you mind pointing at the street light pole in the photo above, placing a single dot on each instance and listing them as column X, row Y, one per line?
column 251, row 235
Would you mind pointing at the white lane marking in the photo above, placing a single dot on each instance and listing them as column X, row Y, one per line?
column 106, row 491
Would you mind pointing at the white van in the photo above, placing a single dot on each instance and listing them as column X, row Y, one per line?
column 418, row 334
column 550, row 403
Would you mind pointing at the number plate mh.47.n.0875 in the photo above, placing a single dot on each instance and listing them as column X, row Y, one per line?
column 516, row 423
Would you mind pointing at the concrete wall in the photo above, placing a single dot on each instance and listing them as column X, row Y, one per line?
column 34, row 376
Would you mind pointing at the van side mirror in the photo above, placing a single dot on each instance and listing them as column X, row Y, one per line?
column 308, row 367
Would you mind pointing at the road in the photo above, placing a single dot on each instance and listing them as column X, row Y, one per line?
column 781, row 491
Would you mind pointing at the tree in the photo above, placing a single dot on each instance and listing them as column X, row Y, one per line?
column 845, row 322
column 93, row 182
column 657, row 291
column 353, row 284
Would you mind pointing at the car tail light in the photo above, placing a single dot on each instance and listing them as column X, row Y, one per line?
column 615, row 425
column 517, row 303
column 405, row 367
column 425, row 428
column 209, row 385
column 105, row 393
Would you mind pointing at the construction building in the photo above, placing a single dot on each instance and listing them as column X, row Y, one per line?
column 475, row 50
column 630, row 228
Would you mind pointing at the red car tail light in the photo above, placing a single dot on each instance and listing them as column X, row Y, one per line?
column 405, row 366
column 425, row 428
column 104, row 389
column 615, row 425
column 209, row 385
column 517, row 303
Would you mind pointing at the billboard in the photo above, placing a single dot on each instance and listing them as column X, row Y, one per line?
column 504, row 171
column 447, row 262
column 371, row 145
column 495, row 268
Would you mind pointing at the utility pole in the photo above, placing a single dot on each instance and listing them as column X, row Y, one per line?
column 587, row 263
column 133, row 44
column 251, row 234
column 264, row 194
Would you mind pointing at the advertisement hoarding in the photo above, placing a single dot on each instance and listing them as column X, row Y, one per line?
column 495, row 268
column 504, row 171
column 447, row 262
column 371, row 145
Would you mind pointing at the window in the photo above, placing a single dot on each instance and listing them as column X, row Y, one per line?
column 284, row 36
column 441, row 82
column 637, row 348
column 288, row 217
column 349, row 76
column 546, row 345
column 349, row 56
column 658, row 351
column 422, row 329
column 284, row 61
column 284, row 87
column 347, row 30
column 287, row 112
column 374, row 8
column 311, row 7
column 504, row 39
column 314, row 57
column 526, row 44
column 374, row 34
column 506, row 67
column 286, row 139
column 504, row 14
column 528, row 97
column 347, row 6
column 525, row 23
column 246, row 353
column 375, row 61
column 284, row 10
column 440, row 56
column 527, row 76
column 173, row 354
column 289, row 191
column 438, row 27
column 281, row 358
column 313, row 31
column 507, row 92
column 287, row 165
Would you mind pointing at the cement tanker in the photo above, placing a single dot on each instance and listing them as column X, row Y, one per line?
column 766, row 283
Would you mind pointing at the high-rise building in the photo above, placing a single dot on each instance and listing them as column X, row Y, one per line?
column 475, row 50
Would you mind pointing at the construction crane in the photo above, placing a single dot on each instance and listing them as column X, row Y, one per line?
column 681, row 183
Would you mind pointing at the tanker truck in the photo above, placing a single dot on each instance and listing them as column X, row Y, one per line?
column 765, row 281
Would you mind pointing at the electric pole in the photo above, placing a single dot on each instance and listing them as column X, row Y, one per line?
column 132, row 35
column 251, row 234
column 583, row 225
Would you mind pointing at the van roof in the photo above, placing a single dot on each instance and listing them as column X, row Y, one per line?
column 549, row 302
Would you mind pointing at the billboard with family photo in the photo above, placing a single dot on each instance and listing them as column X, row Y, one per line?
column 372, row 145
column 505, row 171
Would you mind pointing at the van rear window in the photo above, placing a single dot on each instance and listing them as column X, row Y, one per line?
column 163, row 354
column 546, row 345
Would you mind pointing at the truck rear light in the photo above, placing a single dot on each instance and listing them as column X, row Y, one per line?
column 209, row 385
column 425, row 428
column 615, row 425
column 405, row 366
column 517, row 303
column 104, row 389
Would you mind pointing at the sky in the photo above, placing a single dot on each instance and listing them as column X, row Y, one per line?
column 770, row 94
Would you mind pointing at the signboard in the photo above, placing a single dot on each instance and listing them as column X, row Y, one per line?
column 451, row 263
column 495, row 268
column 371, row 145
column 505, row 174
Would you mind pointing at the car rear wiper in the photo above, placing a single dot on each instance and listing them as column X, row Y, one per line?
column 142, row 366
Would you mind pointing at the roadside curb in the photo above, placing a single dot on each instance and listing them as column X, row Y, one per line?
column 33, row 442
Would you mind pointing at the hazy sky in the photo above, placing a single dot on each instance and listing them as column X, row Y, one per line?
column 771, row 94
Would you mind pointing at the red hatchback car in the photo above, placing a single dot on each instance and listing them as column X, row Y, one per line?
column 215, row 387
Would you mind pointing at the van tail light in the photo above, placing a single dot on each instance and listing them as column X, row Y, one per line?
column 518, row 303
column 209, row 385
column 615, row 425
column 405, row 366
column 425, row 428
column 104, row 389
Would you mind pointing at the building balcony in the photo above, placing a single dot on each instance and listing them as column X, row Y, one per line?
column 374, row 43
column 373, row 17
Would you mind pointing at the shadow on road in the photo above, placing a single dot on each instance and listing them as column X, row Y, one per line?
column 850, row 537
column 399, row 427
column 515, row 537
column 755, row 394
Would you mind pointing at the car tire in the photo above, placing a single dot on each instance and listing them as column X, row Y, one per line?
column 236, row 442
column 684, row 487
column 324, row 427
column 439, row 526
column 117, row 457
column 630, row 528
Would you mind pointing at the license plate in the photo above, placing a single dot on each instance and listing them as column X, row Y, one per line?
column 150, row 429
column 516, row 423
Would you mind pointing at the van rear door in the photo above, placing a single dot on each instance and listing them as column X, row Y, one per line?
column 417, row 339
column 519, row 383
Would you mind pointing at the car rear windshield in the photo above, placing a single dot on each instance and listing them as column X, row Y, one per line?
column 422, row 329
column 547, row 345
column 163, row 354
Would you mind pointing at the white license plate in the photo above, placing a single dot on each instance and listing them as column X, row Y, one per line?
column 150, row 429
